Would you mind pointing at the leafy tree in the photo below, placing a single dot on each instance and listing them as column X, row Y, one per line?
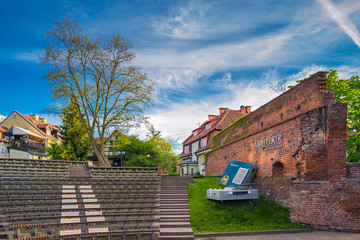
column 98, row 77
column 348, row 91
column 141, row 153
column 73, row 132
column 168, row 158
column 75, row 143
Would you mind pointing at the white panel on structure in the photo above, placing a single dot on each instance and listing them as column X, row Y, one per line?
column 93, row 213
column 70, row 232
column 70, row 214
column 68, row 191
column 86, row 191
column 95, row 219
column 92, row 205
column 68, row 186
column 69, row 196
column 90, row 200
column 95, row 230
column 88, row 195
column 70, row 220
column 70, row 206
column 85, row 186
column 71, row 200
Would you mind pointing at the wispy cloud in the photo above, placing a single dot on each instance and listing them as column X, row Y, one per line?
column 342, row 20
column 28, row 56
column 186, row 66
column 185, row 22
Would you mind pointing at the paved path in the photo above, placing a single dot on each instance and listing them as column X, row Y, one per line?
column 314, row 235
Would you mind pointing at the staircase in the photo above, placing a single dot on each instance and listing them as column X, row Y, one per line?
column 79, row 171
column 174, row 209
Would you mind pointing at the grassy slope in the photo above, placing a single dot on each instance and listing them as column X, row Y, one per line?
column 209, row 216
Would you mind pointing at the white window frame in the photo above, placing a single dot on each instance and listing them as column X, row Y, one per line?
column 203, row 142
column 187, row 149
column 195, row 133
column 208, row 126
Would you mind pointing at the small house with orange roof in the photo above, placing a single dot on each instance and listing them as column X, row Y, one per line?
column 192, row 158
column 29, row 135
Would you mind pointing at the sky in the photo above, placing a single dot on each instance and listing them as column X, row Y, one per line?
column 202, row 55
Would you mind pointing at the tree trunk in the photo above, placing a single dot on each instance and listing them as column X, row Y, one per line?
column 103, row 160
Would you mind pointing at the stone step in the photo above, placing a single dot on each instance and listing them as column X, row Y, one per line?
column 174, row 205
column 174, row 201
column 176, row 231
column 174, row 225
column 183, row 216
column 178, row 237
column 174, row 213
column 172, row 220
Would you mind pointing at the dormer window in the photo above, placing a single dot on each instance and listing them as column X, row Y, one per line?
column 208, row 126
column 186, row 149
column 203, row 142
column 195, row 133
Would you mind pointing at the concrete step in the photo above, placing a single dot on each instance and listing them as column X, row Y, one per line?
column 172, row 220
column 176, row 231
column 178, row 237
column 175, row 225
column 172, row 206
column 174, row 201
column 179, row 216
column 175, row 213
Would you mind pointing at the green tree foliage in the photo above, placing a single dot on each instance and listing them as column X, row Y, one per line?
column 153, row 152
column 141, row 153
column 75, row 142
column 168, row 158
column 348, row 91
column 99, row 77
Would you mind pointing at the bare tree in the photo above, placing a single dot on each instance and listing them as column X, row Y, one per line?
column 109, row 91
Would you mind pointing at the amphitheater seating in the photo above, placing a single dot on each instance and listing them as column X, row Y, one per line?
column 38, row 200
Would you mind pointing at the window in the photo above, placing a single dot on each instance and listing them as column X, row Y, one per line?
column 203, row 142
column 195, row 133
column 14, row 116
column 186, row 149
column 208, row 126
column 2, row 150
column 192, row 171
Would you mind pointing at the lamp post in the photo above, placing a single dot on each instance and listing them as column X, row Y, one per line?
column 9, row 139
column 121, row 153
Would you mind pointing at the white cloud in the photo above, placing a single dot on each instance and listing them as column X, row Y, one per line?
column 342, row 20
column 187, row 66
column 28, row 56
column 186, row 22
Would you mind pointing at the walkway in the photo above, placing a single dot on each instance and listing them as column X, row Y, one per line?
column 174, row 209
column 314, row 235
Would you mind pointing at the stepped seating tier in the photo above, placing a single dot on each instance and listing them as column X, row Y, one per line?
column 62, row 199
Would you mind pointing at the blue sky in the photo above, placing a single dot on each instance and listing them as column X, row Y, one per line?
column 202, row 54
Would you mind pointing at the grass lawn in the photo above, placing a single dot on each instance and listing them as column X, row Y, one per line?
column 208, row 216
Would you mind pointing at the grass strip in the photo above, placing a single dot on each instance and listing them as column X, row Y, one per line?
column 235, row 216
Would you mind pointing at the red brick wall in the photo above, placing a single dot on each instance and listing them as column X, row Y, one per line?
column 306, row 171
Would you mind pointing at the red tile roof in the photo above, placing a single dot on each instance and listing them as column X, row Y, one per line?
column 37, row 124
column 217, row 124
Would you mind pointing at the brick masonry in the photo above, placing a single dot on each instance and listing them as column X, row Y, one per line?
column 298, row 141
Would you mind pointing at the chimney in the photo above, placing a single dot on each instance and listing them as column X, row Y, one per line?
column 223, row 110
column 248, row 109
column 211, row 117
column 34, row 116
column 242, row 108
